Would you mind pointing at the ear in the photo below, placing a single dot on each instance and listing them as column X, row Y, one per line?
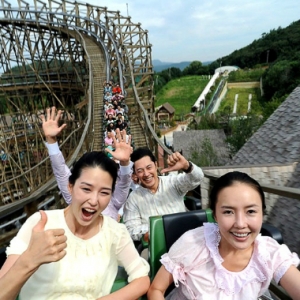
column 215, row 217
column 156, row 166
column 70, row 188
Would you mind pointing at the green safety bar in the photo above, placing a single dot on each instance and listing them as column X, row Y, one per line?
column 157, row 244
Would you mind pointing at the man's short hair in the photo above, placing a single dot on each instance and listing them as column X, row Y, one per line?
column 140, row 153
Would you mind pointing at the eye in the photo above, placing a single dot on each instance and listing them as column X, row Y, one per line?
column 86, row 189
column 227, row 212
column 105, row 193
column 251, row 211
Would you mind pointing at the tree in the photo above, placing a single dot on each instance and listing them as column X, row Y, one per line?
column 281, row 78
column 195, row 68
column 207, row 121
column 241, row 129
column 212, row 67
column 270, row 106
column 175, row 72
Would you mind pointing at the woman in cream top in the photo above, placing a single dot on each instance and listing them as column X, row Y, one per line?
column 88, row 269
column 74, row 253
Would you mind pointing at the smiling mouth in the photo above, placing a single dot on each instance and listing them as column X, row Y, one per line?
column 88, row 213
column 240, row 235
column 148, row 179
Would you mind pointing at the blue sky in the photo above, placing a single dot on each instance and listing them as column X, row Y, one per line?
column 186, row 30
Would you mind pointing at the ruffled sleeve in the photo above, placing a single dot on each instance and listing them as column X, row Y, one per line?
column 281, row 258
column 189, row 250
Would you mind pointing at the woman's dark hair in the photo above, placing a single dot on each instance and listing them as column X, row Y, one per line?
column 111, row 126
column 230, row 179
column 95, row 159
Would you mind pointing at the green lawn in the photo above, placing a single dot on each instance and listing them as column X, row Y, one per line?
column 181, row 93
column 242, row 102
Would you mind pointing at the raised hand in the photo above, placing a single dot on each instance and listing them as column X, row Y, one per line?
column 122, row 147
column 50, row 124
column 46, row 246
column 176, row 162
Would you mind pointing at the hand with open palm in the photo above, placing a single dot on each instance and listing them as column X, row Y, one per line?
column 122, row 148
column 50, row 124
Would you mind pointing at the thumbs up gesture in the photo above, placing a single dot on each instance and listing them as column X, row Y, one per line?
column 46, row 246
column 176, row 162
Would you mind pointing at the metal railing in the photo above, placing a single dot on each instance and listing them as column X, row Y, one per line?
column 267, row 188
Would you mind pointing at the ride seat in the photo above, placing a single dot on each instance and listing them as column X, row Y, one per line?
column 166, row 229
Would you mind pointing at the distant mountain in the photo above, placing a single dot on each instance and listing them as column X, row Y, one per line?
column 157, row 62
column 160, row 65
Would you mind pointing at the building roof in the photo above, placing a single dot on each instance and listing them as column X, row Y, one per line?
column 185, row 140
column 226, row 68
column 168, row 107
column 278, row 141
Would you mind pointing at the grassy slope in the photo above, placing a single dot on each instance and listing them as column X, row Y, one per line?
column 242, row 102
column 181, row 93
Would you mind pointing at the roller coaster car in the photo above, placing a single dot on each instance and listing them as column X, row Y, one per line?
column 191, row 203
column 165, row 230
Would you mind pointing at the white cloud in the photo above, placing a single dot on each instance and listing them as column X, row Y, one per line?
column 185, row 30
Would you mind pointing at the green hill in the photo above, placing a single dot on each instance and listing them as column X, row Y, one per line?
column 277, row 45
column 181, row 93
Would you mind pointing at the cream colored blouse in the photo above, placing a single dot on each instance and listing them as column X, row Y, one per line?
column 90, row 266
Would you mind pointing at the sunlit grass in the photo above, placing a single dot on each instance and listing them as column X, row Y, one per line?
column 181, row 93
column 242, row 102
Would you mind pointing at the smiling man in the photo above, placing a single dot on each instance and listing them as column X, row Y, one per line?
column 158, row 195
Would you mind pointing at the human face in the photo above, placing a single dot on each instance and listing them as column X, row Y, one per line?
column 239, row 215
column 91, row 194
column 146, row 171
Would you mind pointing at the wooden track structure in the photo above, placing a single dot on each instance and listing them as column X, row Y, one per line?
column 59, row 53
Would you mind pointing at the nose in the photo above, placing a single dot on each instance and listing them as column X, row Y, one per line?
column 93, row 199
column 240, row 220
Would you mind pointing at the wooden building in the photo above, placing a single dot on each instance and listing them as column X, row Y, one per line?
column 165, row 112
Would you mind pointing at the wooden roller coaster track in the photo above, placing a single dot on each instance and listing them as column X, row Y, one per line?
column 59, row 54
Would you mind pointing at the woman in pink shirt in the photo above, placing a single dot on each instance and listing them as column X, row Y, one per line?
column 229, row 259
column 110, row 111
column 109, row 139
